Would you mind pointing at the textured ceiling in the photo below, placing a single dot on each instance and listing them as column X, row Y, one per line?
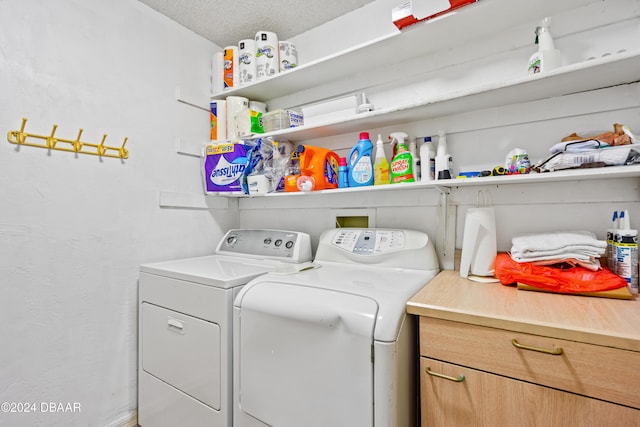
column 225, row 22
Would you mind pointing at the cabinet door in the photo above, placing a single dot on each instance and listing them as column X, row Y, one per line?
column 483, row 399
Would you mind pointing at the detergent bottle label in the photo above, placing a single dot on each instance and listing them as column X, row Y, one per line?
column 331, row 171
column 400, row 166
column 362, row 170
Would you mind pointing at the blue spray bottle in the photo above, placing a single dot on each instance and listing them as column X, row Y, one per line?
column 360, row 162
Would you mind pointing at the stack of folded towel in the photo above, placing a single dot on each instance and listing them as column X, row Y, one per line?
column 572, row 247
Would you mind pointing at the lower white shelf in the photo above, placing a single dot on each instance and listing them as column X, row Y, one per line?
column 610, row 172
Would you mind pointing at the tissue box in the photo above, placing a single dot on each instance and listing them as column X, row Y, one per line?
column 224, row 166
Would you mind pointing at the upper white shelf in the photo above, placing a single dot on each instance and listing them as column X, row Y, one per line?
column 478, row 19
column 589, row 75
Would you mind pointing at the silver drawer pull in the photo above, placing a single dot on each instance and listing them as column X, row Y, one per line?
column 558, row 351
column 446, row 377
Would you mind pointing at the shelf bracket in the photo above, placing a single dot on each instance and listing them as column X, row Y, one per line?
column 442, row 189
column 446, row 230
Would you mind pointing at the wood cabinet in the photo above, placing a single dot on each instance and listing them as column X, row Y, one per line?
column 492, row 355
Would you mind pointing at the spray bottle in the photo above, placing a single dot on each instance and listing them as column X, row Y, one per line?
column 360, row 162
column 626, row 245
column 547, row 57
column 443, row 158
column 402, row 163
column 381, row 164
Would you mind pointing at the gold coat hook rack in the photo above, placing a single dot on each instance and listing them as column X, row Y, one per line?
column 51, row 142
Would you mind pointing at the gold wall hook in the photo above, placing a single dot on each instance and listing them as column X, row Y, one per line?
column 76, row 145
column 101, row 148
column 124, row 153
column 51, row 141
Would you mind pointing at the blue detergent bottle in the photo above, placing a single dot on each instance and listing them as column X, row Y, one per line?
column 360, row 162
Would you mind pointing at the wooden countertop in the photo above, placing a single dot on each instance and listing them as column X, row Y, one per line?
column 601, row 321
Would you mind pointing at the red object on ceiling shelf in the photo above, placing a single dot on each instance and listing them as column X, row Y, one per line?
column 411, row 19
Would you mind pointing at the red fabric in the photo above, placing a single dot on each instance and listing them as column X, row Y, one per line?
column 571, row 280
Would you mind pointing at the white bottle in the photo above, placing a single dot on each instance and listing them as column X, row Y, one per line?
column 547, row 57
column 427, row 160
column 415, row 159
column 443, row 158
column 626, row 247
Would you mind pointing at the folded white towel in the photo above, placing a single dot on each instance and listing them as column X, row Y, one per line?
column 564, row 255
column 555, row 241
column 592, row 251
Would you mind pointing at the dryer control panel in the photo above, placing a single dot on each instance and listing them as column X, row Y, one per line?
column 282, row 245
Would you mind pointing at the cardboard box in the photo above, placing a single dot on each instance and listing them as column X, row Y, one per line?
column 412, row 11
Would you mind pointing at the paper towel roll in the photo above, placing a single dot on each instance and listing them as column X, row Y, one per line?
column 218, row 116
column 288, row 56
column 247, row 61
column 231, row 78
column 258, row 106
column 235, row 104
column 217, row 72
column 267, row 62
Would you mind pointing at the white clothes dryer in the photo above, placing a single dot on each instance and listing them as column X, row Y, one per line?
column 185, row 325
column 332, row 345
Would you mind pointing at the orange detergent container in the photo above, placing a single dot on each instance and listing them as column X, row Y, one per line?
column 318, row 170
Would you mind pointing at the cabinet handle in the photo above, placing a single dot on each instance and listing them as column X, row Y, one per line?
column 446, row 377
column 558, row 351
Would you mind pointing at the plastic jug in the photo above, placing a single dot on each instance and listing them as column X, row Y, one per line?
column 343, row 171
column 320, row 164
column 360, row 162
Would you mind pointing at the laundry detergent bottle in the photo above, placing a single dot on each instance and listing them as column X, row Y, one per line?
column 402, row 163
column 360, row 162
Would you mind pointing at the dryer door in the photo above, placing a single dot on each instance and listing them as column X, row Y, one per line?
column 182, row 351
column 306, row 356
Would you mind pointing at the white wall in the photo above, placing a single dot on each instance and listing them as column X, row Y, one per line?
column 74, row 228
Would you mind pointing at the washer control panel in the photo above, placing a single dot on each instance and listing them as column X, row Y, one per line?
column 369, row 241
column 289, row 246
column 383, row 247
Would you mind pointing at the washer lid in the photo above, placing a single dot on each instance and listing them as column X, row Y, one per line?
column 214, row 270
column 390, row 288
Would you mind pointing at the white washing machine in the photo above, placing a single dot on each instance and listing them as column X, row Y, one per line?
column 332, row 345
column 185, row 325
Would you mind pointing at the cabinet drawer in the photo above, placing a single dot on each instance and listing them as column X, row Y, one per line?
column 480, row 399
column 591, row 370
